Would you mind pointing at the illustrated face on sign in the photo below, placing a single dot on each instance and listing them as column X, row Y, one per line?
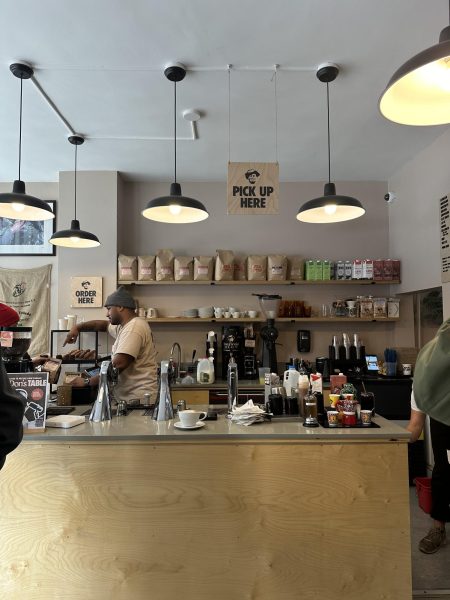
column 252, row 175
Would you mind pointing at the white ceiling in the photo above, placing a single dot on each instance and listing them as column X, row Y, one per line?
column 101, row 62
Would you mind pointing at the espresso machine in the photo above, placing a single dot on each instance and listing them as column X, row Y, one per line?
column 15, row 357
column 233, row 344
column 269, row 304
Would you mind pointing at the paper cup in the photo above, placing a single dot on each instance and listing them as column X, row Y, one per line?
column 62, row 324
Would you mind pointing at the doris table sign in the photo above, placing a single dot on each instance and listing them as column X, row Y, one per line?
column 86, row 292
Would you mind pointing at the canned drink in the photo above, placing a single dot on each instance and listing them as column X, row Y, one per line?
column 181, row 405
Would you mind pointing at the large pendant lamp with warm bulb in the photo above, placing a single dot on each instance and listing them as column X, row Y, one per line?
column 18, row 204
column 418, row 93
column 175, row 208
column 331, row 207
column 75, row 237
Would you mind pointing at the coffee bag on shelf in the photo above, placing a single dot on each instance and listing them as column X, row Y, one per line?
column 256, row 267
column 126, row 268
column 184, row 268
column 146, row 268
column 240, row 268
column 203, row 268
column 224, row 270
column 276, row 267
column 296, row 268
column 164, row 265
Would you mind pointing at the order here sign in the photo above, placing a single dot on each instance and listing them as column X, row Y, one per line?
column 86, row 292
column 253, row 188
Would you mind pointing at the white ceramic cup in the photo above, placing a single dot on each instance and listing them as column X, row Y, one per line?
column 218, row 313
column 252, row 314
column 236, row 314
column 62, row 324
column 71, row 321
column 227, row 314
column 407, row 369
column 189, row 418
column 152, row 313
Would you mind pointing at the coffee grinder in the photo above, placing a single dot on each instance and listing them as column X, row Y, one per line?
column 269, row 304
column 15, row 356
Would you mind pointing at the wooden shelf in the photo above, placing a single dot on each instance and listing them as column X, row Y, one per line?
column 279, row 320
column 268, row 283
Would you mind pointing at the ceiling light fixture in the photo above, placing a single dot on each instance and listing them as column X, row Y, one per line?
column 17, row 204
column 329, row 208
column 75, row 237
column 175, row 208
column 418, row 93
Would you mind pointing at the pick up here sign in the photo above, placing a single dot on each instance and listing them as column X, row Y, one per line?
column 253, row 188
column 86, row 292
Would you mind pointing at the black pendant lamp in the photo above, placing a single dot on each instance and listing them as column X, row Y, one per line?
column 17, row 204
column 418, row 93
column 75, row 237
column 175, row 208
column 331, row 207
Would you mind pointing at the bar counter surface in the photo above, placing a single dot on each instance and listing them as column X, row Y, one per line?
column 136, row 509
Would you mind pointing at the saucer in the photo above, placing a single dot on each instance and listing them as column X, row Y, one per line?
column 198, row 425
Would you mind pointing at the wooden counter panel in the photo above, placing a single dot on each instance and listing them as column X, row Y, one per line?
column 205, row 522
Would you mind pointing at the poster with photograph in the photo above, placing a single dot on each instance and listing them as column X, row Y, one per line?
column 34, row 389
column 28, row 238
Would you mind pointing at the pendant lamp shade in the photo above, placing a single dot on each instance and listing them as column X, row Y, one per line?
column 75, row 237
column 18, row 204
column 175, row 208
column 331, row 207
column 419, row 91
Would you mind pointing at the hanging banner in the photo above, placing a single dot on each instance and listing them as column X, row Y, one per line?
column 86, row 292
column 252, row 189
column 28, row 292
column 444, row 224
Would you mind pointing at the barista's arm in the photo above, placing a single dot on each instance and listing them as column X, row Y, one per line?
column 72, row 336
column 122, row 361
column 119, row 361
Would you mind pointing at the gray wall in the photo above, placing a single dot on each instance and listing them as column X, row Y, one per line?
column 414, row 234
column 365, row 237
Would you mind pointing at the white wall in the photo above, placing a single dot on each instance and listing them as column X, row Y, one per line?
column 414, row 234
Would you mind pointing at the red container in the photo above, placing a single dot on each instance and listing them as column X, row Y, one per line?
column 387, row 269
column 396, row 269
column 423, row 489
column 378, row 269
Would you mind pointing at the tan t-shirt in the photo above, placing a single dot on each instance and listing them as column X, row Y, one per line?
column 136, row 339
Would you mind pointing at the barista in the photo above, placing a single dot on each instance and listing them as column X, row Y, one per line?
column 133, row 353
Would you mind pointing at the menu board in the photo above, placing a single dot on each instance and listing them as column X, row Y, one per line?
column 34, row 389
column 445, row 239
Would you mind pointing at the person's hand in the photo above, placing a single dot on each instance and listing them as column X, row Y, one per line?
column 78, row 382
column 72, row 336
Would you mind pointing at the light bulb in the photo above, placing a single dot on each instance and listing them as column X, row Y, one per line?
column 74, row 239
column 18, row 206
column 330, row 209
column 174, row 209
column 435, row 74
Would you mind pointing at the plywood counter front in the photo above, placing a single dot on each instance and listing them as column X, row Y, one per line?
column 134, row 509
